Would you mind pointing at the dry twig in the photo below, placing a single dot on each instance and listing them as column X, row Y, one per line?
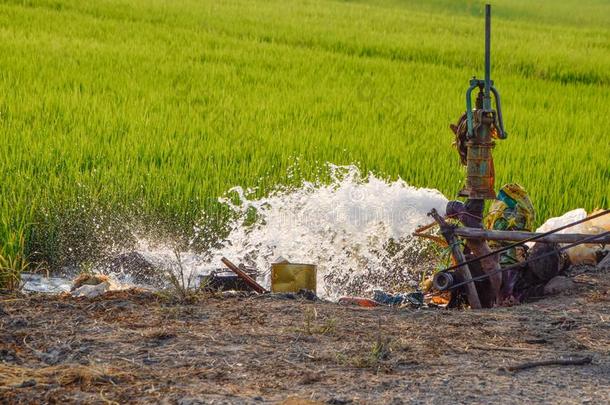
column 578, row 361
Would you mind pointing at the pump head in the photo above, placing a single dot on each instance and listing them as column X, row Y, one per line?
column 483, row 125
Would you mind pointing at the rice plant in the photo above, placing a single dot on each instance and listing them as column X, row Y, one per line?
column 150, row 109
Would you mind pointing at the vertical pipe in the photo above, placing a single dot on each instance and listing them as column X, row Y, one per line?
column 458, row 255
column 487, row 98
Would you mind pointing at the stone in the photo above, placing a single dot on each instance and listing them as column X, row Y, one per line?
column 9, row 356
column 91, row 291
column 27, row 384
column 136, row 266
column 88, row 279
column 558, row 284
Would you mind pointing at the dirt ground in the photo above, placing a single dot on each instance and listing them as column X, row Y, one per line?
column 130, row 347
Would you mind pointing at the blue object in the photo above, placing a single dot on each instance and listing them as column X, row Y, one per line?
column 510, row 203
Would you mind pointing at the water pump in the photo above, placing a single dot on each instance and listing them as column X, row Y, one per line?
column 483, row 124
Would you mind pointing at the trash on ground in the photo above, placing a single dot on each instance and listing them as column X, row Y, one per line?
column 415, row 299
column 244, row 276
column 359, row 302
column 226, row 280
column 292, row 277
column 585, row 254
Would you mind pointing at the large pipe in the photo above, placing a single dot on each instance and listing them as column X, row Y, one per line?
column 443, row 280
column 515, row 236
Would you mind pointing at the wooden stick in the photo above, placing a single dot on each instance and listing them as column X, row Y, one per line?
column 578, row 361
column 440, row 241
column 247, row 279
column 476, row 233
column 458, row 255
column 510, row 348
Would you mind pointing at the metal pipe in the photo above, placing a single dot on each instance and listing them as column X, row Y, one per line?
column 442, row 281
column 469, row 108
column 487, row 98
column 486, row 234
column 502, row 133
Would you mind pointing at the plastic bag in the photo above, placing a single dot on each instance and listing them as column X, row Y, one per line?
column 602, row 222
column 585, row 253
column 568, row 217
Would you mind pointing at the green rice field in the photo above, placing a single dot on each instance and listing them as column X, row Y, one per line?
column 112, row 109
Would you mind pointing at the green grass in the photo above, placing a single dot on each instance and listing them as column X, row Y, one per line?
column 151, row 109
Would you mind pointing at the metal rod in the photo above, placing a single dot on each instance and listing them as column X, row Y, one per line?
column 487, row 96
column 469, row 110
column 502, row 133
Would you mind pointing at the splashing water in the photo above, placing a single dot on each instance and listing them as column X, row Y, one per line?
column 356, row 229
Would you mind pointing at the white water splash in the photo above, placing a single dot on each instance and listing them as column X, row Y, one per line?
column 356, row 229
column 347, row 228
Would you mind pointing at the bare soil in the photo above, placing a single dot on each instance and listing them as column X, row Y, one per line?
column 133, row 346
